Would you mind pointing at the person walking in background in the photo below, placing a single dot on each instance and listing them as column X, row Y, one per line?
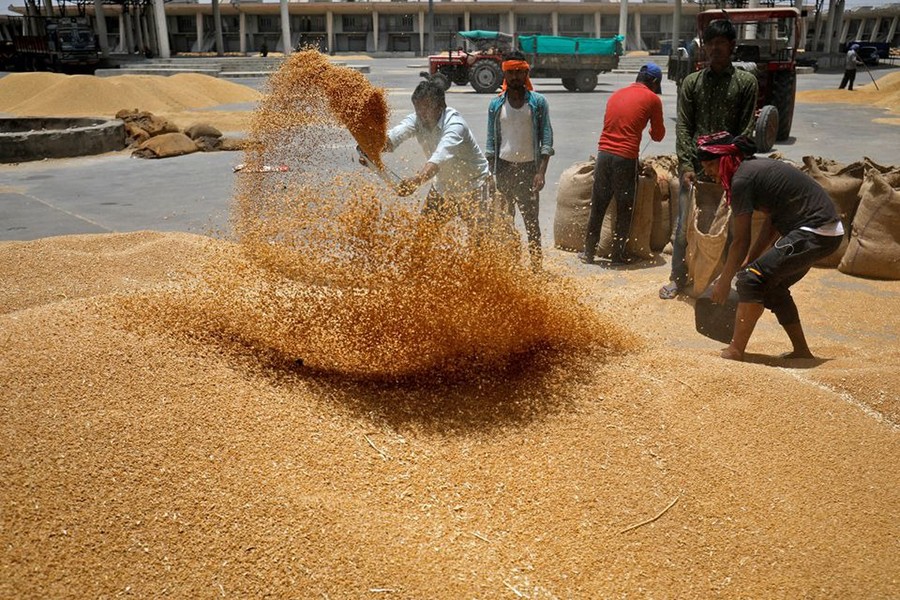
column 616, row 169
column 519, row 147
column 454, row 160
column 850, row 63
column 800, row 214
column 717, row 98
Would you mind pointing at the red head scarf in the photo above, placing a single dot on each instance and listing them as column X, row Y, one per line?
column 516, row 65
column 731, row 152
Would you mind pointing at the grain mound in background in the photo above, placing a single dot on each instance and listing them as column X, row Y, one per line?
column 345, row 276
column 47, row 94
column 886, row 96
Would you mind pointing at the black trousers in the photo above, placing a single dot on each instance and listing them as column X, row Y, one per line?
column 849, row 77
column 514, row 182
column 613, row 176
column 768, row 279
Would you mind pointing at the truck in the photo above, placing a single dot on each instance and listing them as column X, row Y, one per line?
column 575, row 61
column 766, row 47
column 62, row 44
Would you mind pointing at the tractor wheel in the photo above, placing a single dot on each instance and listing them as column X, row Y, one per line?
column 442, row 80
column 460, row 76
column 585, row 81
column 569, row 83
column 486, row 76
column 784, row 88
column 766, row 128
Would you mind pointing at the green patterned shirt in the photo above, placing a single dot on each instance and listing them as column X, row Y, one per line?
column 710, row 102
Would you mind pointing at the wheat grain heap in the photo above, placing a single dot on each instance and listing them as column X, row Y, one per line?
column 335, row 271
column 159, row 438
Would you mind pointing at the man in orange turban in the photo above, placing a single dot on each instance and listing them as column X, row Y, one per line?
column 519, row 146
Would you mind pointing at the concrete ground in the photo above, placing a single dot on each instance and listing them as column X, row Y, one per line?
column 116, row 193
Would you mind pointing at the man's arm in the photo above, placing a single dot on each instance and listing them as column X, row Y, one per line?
column 747, row 107
column 686, row 126
column 767, row 236
column 489, row 147
column 737, row 251
column 409, row 185
column 546, row 145
column 402, row 132
column 657, row 124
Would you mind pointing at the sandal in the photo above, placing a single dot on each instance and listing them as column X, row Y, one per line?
column 669, row 291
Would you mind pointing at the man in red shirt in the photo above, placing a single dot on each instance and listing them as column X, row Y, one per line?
column 615, row 173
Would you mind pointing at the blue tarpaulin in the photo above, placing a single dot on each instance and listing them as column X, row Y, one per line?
column 554, row 44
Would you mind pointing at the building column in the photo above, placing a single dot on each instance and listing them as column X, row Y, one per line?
column 329, row 30
column 844, row 31
column 750, row 28
column 892, row 31
column 554, row 22
column 598, row 19
column 467, row 20
column 637, row 31
column 100, row 26
column 830, row 25
column 512, row 22
column 375, row 29
column 199, row 32
column 422, row 33
column 861, row 30
column 875, row 30
column 122, row 46
column 286, row 46
column 623, row 22
column 242, row 31
column 804, row 26
column 129, row 34
column 676, row 27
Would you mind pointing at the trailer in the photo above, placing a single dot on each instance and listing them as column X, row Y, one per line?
column 575, row 61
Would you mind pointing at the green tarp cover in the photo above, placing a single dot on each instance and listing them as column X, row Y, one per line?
column 479, row 34
column 554, row 44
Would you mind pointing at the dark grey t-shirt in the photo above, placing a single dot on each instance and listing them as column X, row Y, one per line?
column 792, row 197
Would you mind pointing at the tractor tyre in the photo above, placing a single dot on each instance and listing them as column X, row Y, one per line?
column 460, row 76
column 766, row 128
column 585, row 81
column 784, row 89
column 442, row 80
column 569, row 83
column 486, row 76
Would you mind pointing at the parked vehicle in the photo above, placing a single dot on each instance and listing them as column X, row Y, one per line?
column 766, row 47
column 576, row 61
column 63, row 44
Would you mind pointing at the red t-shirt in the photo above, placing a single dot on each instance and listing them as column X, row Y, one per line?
column 627, row 113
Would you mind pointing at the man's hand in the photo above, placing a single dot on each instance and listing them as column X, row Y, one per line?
column 407, row 187
column 537, row 183
column 721, row 290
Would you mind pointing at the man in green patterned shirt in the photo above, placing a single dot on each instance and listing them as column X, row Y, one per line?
column 717, row 98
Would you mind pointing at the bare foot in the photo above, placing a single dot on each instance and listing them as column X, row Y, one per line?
column 732, row 354
column 797, row 354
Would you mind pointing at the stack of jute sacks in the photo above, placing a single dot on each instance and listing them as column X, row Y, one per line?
column 153, row 136
column 865, row 194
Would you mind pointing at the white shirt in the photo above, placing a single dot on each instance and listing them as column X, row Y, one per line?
column 451, row 146
column 516, row 143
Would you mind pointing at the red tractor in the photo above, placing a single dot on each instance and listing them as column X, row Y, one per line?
column 767, row 47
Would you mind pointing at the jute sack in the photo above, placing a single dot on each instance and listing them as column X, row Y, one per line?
column 645, row 196
column 664, row 168
column 874, row 248
column 707, row 233
column 573, row 206
column 842, row 184
column 202, row 130
column 165, row 145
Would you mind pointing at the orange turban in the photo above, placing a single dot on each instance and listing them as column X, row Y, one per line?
column 516, row 65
